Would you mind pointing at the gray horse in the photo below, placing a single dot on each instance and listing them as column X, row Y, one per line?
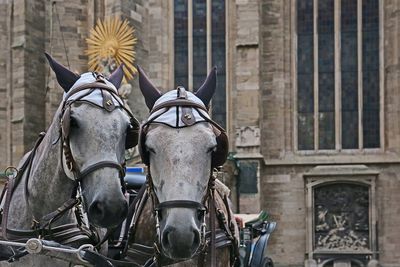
column 181, row 145
column 82, row 151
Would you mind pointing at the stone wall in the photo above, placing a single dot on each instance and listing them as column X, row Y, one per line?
column 22, row 89
column 284, row 198
column 29, row 93
column 244, row 88
column 281, row 178
column 66, row 31
column 4, row 124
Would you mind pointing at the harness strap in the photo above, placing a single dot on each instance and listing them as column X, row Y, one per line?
column 100, row 260
column 101, row 164
column 13, row 183
column 212, row 224
column 180, row 204
column 135, row 209
column 176, row 103
column 17, row 256
column 88, row 86
column 66, row 234
column 55, row 215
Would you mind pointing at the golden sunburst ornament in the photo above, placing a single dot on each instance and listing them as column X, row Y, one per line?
column 111, row 43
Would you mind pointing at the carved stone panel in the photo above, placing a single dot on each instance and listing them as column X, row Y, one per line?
column 248, row 136
column 341, row 217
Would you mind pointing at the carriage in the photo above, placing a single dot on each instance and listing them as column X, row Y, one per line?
column 159, row 228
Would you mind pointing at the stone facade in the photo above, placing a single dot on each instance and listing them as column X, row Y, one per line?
column 260, row 103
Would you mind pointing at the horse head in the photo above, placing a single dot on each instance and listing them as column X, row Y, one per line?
column 181, row 145
column 95, row 129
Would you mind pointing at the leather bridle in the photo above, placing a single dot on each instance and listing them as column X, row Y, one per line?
column 78, row 174
column 201, row 207
column 43, row 227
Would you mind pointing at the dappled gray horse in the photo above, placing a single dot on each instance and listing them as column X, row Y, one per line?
column 184, row 211
column 82, row 153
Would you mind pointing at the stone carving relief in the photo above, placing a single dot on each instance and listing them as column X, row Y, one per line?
column 341, row 217
column 248, row 136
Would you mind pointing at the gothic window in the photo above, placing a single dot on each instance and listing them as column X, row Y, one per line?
column 305, row 75
column 338, row 77
column 181, row 44
column 195, row 54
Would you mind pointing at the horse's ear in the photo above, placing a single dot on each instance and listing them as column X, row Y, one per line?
column 207, row 90
column 149, row 91
column 117, row 76
column 65, row 77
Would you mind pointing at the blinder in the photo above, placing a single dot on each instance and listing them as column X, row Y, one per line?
column 132, row 133
column 221, row 153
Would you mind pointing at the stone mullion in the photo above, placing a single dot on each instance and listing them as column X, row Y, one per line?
column 338, row 79
column 171, row 44
column 316, row 76
column 294, row 74
column 208, row 34
column 360, row 74
column 190, row 45
column 381, row 78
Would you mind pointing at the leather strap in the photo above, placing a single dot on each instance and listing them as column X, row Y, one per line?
column 13, row 183
column 101, row 164
column 89, row 86
column 100, row 260
column 212, row 228
column 180, row 204
column 65, row 234
column 55, row 215
column 178, row 102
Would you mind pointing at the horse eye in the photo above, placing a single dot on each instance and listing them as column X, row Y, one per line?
column 73, row 122
column 211, row 149
column 200, row 214
column 151, row 150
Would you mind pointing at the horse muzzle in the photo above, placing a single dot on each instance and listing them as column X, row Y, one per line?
column 107, row 213
column 180, row 236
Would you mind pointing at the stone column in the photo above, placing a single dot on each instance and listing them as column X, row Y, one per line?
column 136, row 12
column 22, row 87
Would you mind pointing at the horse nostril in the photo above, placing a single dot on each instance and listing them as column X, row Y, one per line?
column 196, row 239
column 165, row 237
column 96, row 209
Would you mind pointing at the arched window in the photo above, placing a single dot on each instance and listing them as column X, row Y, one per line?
column 195, row 54
column 338, row 77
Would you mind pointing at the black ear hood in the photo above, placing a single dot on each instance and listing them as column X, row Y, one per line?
column 149, row 91
column 117, row 76
column 65, row 77
column 207, row 90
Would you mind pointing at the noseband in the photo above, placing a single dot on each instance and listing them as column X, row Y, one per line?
column 200, row 207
